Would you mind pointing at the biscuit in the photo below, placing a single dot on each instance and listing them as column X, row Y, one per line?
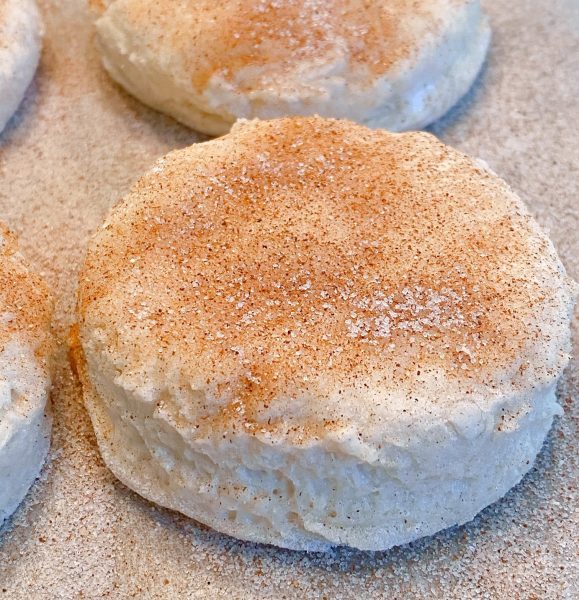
column 398, row 65
column 309, row 333
column 25, row 348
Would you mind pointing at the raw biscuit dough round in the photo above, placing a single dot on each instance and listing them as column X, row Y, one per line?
column 398, row 65
column 309, row 333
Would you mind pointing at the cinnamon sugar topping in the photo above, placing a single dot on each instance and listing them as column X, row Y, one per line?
column 298, row 251
column 25, row 302
column 223, row 37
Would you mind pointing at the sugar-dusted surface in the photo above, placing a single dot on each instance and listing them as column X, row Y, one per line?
column 211, row 62
column 75, row 148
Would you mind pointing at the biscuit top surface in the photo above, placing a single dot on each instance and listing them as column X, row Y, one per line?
column 25, row 302
column 26, row 342
column 303, row 257
column 207, row 37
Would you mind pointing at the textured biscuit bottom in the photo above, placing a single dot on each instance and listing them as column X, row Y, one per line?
column 323, row 494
